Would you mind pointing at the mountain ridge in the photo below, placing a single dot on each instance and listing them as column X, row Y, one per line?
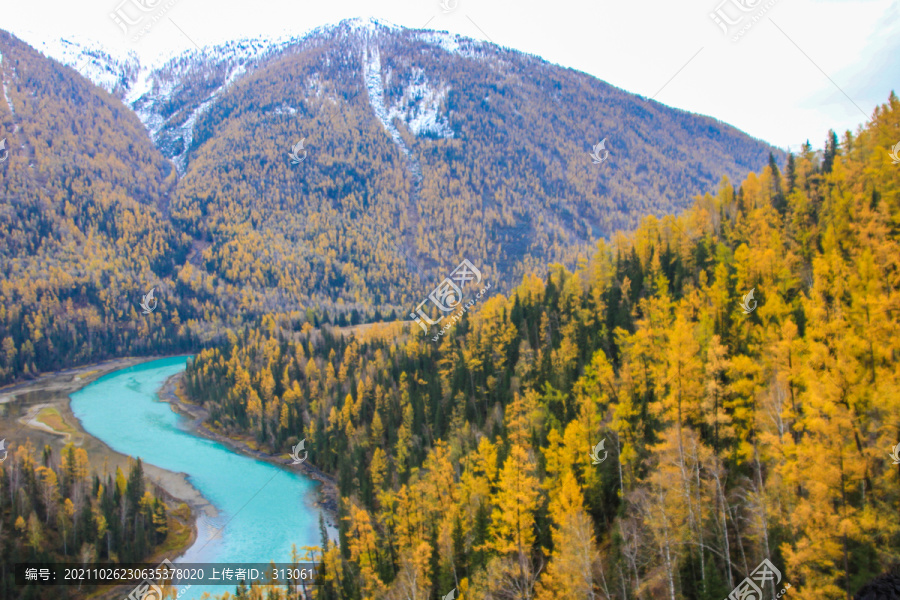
column 420, row 150
column 74, row 51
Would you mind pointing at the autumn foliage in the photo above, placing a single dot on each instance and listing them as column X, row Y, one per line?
column 732, row 437
column 60, row 510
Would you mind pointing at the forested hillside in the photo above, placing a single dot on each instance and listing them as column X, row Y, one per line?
column 418, row 146
column 83, row 228
column 732, row 437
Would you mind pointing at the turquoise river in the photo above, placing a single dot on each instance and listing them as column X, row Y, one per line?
column 263, row 509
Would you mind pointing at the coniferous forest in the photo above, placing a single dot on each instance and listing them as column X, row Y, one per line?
column 93, row 215
column 62, row 509
column 661, row 391
column 731, row 437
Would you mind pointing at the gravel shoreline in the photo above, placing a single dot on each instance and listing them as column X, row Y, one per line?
column 328, row 495
column 53, row 390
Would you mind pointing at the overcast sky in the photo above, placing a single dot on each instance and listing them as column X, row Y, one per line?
column 799, row 68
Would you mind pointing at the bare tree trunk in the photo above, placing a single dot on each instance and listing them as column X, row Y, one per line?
column 666, row 550
column 700, row 518
column 764, row 518
column 630, row 551
column 603, row 579
column 622, row 580
column 721, row 494
column 740, row 541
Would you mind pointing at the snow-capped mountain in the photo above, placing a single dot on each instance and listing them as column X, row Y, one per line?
column 116, row 72
column 169, row 98
column 418, row 147
column 168, row 95
column 193, row 78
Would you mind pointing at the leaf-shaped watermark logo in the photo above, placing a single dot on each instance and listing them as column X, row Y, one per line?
column 295, row 452
column 600, row 153
column 4, row 153
column 148, row 303
column 595, row 452
column 296, row 159
column 895, row 154
column 895, row 455
column 746, row 305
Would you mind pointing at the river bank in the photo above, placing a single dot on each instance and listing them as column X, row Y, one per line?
column 265, row 510
column 40, row 411
column 328, row 496
column 44, row 412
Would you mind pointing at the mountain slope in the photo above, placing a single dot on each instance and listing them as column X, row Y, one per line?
column 424, row 148
column 83, row 231
column 116, row 72
column 420, row 149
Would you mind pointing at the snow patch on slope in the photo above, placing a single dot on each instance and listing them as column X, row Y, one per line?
column 147, row 87
column 6, row 89
column 9, row 103
column 176, row 82
column 375, row 88
column 187, row 128
column 187, row 133
column 285, row 109
column 453, row 43
column 113, row 71
column 420, row 107
column 444, row 40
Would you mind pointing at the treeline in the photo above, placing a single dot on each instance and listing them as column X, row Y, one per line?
column 733, row 434
column 55, row 510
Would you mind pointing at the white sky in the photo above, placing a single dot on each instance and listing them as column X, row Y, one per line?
column 772, row 84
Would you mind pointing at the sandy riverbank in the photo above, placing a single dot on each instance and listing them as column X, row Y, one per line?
column 39, row 411
column 22, row 404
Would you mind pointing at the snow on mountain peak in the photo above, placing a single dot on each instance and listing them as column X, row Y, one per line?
column 454, row 43
column 114, row 71
column 369, row 24
column 420, row 107
column 193, row 79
